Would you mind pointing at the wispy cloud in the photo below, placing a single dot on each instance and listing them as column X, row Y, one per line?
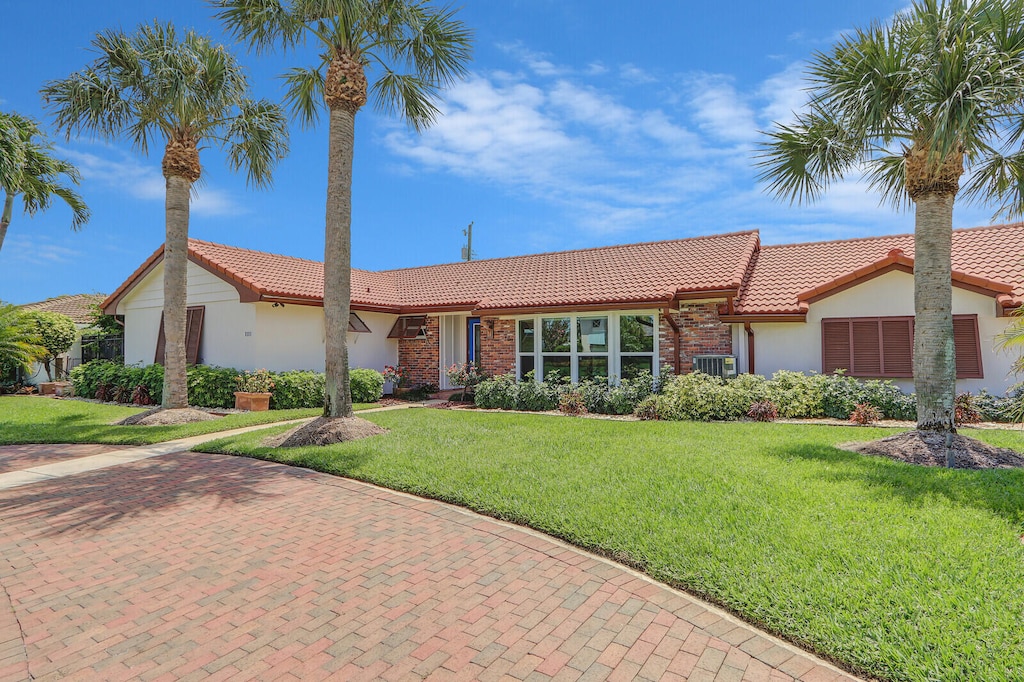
column 125, row 173
column 40, row 250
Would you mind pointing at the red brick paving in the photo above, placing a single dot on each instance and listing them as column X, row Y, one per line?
column 193, row 566
column 18, row 457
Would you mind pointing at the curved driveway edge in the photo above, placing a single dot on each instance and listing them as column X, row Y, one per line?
column 193, row 566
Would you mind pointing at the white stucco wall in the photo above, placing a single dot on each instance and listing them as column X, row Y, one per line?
column 72, row 358
column 797, row 346
column 248, row 335
column 293, row 336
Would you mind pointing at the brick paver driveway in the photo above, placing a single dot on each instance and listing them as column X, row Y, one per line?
column 191, row 566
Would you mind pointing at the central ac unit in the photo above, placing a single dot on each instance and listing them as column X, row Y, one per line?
column 715, row 365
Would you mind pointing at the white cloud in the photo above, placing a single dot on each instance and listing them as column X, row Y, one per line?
column 145, row 181
column 40, row 250
column 785, row 93
column 632, row 74
column 720, row 110
column 538, row 62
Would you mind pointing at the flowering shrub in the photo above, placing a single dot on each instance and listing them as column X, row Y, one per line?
column 464, row 374
column 258, row 381
column 865, row 414
column 572, row 403
column 396, row 375
column 763, row 411
column 965, row 410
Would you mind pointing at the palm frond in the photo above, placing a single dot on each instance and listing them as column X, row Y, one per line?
column 304, row 93
column 258, row 138
column 264, row 25
column 799, row 161
column 409, row 96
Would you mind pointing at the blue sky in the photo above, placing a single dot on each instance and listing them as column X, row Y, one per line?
column 582, row 123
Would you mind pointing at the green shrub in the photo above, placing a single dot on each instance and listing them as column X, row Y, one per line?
column 113, row 381
column 210, row 386
column 701, row 397
column 298, row 388
column 1007, row 409
column 795, row 394
column 497, row 393
column 367, row 385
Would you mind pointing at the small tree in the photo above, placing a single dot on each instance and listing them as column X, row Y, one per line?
column 19, row 345
column 56, row 333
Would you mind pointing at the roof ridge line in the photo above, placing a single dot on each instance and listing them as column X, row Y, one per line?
column 754, row 231
column 976, row 228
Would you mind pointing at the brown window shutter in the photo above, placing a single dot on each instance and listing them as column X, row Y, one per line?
column 835, row 351
column 897, row 347
column 867, row 348
column 193, row 336
column 160, row 343
column 194, row 333
column 968, row 347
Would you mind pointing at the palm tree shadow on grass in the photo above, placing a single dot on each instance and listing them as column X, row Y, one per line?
column 99, row 499
column 994, row 490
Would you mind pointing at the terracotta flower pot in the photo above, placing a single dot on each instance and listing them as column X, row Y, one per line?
column 254, row 402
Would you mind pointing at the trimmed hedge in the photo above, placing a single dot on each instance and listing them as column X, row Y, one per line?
column 215, row 386
column 700, row 397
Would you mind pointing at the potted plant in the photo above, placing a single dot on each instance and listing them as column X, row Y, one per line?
column 395, row 375
column 254, row 390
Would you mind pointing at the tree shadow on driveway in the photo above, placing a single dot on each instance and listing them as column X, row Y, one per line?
column 97, row 499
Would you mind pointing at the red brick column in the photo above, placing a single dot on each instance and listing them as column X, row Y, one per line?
column 498, row 346
column 421, row 356
column 700, row 333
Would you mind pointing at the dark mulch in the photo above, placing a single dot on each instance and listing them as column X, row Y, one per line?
column 929, row 449
column 325, row 431
column 453, row 405
column 162, row 417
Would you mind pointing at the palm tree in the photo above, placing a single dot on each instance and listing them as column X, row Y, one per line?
column 28, row 168
column 185, row 92
column 909, row 104
column 353, row 35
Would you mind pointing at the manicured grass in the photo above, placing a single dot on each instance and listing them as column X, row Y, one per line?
column 42, row 420
column 902, row 572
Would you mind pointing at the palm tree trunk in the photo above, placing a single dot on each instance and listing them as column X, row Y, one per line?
column 338, row 261
column 176, row 209
column 934, row 353
column 5, row 217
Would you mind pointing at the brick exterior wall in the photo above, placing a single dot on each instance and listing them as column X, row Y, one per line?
column 422, row 356
column 498, row 349
column 700, row 333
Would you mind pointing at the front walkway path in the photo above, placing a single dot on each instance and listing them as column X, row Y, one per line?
column 192, row 566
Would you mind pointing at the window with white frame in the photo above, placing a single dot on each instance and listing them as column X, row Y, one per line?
column 587, row 346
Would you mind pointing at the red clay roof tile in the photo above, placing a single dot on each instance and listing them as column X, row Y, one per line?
column 77, row 306
column 781, row 276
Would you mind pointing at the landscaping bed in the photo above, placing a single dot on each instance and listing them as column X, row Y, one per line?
column 895, row 571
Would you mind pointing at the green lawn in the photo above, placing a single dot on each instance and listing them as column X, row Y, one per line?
column 41, row 420
column 902, row 572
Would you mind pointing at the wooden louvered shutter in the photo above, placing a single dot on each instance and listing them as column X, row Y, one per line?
column 897, row 347
column 968, row 347
column 194, row 333
column 193, row 336
column 867, row 348
column 835, row 346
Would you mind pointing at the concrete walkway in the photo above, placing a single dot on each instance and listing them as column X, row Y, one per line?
column 156, row 564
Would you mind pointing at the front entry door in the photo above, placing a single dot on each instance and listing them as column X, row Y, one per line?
column 473, row 340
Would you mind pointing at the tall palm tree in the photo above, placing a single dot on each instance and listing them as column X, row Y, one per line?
column 28, row 168
column 909, row 105
column 186, row 92
column 412, row 48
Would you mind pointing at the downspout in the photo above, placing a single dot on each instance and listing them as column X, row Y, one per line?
column 750, row 347
column 667, row 312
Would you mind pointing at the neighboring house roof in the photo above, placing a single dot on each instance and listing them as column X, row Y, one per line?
column 652, row 273
column 77, row 306
column 784, row 279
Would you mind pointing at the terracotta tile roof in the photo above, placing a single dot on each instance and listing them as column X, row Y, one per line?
column 780, row 277
column 78, row 306
column 634, row 273
column 652, row 272
column 287, row 277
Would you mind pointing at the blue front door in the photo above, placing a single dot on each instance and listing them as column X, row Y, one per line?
column 473, row 340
